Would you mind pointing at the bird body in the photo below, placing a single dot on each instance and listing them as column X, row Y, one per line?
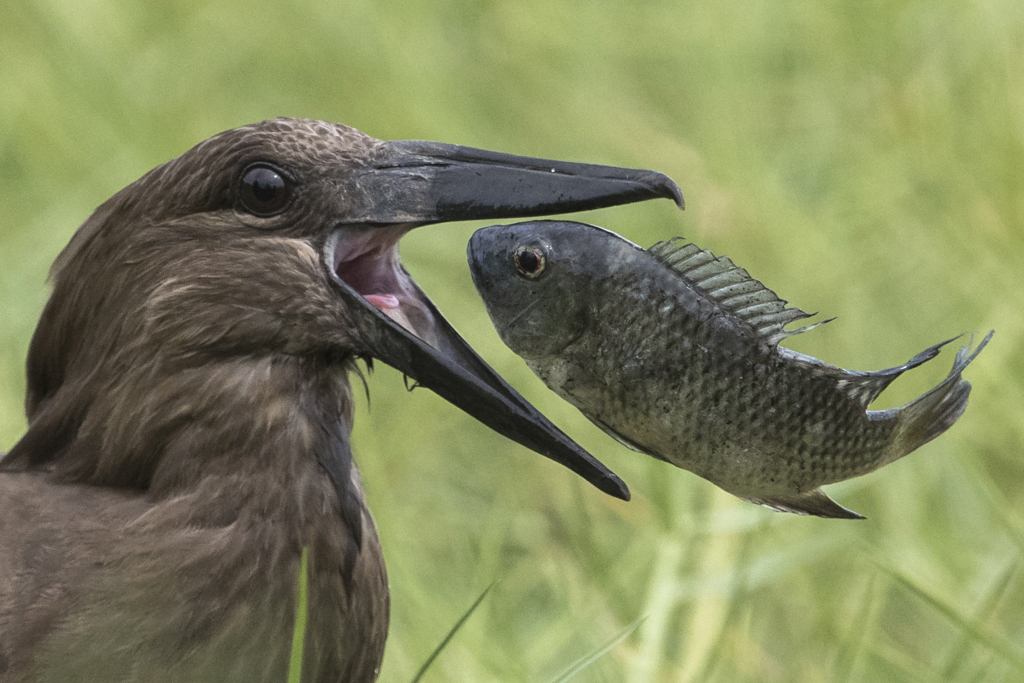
column 193, row 578
column 675, row 353
column 91, row 598
column 189, row 406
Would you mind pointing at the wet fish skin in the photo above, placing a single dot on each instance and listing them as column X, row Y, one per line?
column 675, row 353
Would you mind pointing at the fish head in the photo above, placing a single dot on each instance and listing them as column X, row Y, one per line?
column 539, row 280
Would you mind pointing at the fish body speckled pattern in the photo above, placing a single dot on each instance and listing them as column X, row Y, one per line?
column 675, row 353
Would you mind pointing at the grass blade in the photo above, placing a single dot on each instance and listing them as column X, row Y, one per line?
column 856, row 637
column 987, row 606
column 908, row 668
column 588, row 659
column 737, row 598
column 451, row 634
column 971, row 627
column 301, row 615
column 1001, row 509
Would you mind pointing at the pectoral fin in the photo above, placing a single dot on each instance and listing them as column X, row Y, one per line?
column 629, row 443
column 808, row 503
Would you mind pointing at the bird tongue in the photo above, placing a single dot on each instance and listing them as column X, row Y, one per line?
column 384, row 302
column 391, row 306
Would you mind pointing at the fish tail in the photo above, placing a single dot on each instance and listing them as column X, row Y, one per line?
column 930, row 415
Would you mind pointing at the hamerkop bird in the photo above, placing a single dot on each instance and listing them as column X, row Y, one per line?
column 189, row 408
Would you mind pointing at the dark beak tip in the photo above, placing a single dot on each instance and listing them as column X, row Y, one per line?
column 616, row 488
column 662, row 186
column 672, row 191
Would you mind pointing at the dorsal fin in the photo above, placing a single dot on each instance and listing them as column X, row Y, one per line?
column 732, row 288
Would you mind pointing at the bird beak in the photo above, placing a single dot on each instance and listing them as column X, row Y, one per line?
column 412, row 183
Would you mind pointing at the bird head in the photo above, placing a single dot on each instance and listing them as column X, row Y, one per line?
column 280, row 239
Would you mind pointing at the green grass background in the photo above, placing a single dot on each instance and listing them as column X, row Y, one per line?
column 862, row 158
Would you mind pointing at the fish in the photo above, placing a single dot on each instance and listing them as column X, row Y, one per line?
column 676, row 353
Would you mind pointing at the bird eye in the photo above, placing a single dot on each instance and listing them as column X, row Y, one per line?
column 264, row 191
column 529, row 261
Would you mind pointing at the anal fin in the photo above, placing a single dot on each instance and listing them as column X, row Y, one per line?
column 814, row 503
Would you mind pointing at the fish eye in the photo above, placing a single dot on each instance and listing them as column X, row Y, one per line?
column 529, row 261
column 263, row 190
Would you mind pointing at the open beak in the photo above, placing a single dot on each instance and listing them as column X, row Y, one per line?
column 411, row 183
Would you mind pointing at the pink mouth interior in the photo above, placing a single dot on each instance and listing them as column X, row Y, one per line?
column 366, row 259
column 384, row 302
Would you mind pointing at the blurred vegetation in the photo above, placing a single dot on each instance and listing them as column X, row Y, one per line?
column 862, row 158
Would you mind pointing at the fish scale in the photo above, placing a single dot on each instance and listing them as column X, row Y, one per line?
column 674, row 352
